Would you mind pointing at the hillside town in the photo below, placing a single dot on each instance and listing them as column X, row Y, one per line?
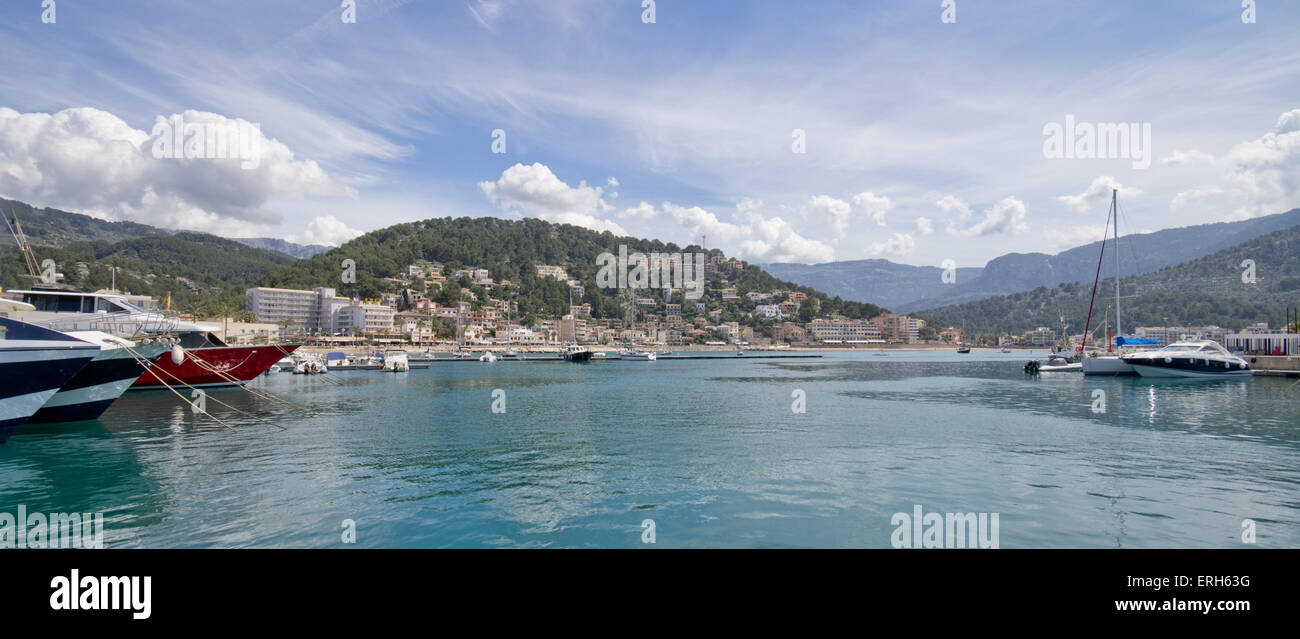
column 486, row 316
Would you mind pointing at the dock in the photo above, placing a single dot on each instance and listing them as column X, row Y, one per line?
column 1274, row 365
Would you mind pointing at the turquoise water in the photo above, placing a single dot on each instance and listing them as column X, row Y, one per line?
column 709, row 450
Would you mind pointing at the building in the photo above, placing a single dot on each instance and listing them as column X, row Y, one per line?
column 366, row 319
column 729, row 295
column 309, row 311
column 544, row 270
column 1041, row 336
column 770, row 311
column 897, row 329
column 844, row 331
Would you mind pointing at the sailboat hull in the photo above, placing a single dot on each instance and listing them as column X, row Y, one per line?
column 1106, row 365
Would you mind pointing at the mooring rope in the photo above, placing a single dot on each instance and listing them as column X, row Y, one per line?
column 187, row 385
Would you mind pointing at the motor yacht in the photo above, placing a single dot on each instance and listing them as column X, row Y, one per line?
column 1198, row 359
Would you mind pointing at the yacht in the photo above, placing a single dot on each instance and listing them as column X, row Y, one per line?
column 487, row 357
column 643, row 356
column 207, row 360
column 575, row 353
column 35, row 362
column 90, row 392
column 963, row 349
column 1200, row 358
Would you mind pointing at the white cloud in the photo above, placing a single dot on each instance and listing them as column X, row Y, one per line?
column 897, row 246
column 759, row 238
column 534, row 190
column 1184, row 197
column 924, row 225
column 642, row 211
column 1186, row 157
column 951, row 204
column 1099, row 190
column 1265, row 175
column 873, row 205
column 86, row 159
column 835, row 211
column 1008, row 215
column 327, row 230
column 1061, row 238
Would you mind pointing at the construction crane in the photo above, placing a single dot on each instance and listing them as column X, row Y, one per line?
column 16, row 229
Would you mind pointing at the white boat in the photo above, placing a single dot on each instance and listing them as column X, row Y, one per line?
column 465, row 355
column 396, row 361
column 35, row 363
column 1195, row 359
column 487, row 357
column 643, row 356
column 309, row 366
column 575, row 353
column 1054, row 364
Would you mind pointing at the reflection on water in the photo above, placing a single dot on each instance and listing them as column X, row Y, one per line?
column 710, row 450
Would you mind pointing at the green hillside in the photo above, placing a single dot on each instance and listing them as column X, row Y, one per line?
column 1205, row 291
column 511, row 250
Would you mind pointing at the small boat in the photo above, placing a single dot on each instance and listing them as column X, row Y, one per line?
column 464, row 355
column 1055, row 364
column 396, row 361
column 1006, row 350
column 1196, row 359
column 510, row 354
column 487, row 357
column 35, row 362
column 575, row 353
column 963, row 349
column 643, row 356
column 310, row 366
column 598, row 354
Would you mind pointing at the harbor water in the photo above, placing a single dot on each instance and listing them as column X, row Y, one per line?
column 714, row 451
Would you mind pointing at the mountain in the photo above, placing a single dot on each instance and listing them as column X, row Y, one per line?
column 511, row 250
column 1205, row 291
column 194, row 268
column 911, row 288
column 880, row 281
column 281, row 246
column 52, row 227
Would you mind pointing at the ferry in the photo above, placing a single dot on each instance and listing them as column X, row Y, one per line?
column 206, row 360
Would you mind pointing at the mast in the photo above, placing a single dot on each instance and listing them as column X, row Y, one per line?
column 1114, row 202
column 1087, row 325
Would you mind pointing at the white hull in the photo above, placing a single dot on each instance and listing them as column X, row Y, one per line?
column 1107, row 365
column 1063, row 368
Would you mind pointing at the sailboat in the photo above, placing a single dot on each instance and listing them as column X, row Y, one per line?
column 1111, row 364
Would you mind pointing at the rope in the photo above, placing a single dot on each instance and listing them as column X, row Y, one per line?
column 187, row 385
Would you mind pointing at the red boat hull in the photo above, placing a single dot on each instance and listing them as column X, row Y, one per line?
column 241, row 363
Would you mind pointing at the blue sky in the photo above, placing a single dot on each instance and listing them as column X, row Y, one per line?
column 924, row 139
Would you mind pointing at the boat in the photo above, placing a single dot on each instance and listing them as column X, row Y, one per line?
column 1055, row 364
column 963, row 349
column 90, row 392
column 1110, row 364
column 310, row 366
column 1006, row 350
column 1195, row 359
column 396, row 361
column 575, row 353
column 644, row 356
column 466, row 355
column 207, row 360
column 35, row 362
column 487, row 357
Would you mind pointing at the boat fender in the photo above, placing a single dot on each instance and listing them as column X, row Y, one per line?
column 178, row 354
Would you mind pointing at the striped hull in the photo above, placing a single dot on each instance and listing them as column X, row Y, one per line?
column 90, row 392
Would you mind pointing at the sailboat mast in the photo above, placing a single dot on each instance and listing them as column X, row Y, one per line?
column 1114, row 202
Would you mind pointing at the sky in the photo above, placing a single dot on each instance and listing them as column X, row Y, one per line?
column 914, row 131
